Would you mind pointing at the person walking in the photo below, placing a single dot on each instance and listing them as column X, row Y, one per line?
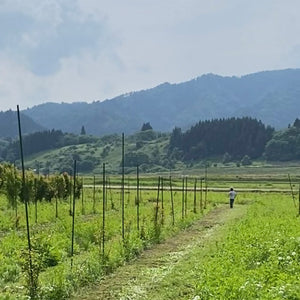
column 232, row 195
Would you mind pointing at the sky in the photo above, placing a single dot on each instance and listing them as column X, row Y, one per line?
column 90, row 50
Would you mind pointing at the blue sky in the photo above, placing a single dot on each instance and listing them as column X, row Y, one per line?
column 87, row 50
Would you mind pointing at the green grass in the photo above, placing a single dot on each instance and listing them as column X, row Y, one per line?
column 241, row 268
column 256, row 257
column 51, row 239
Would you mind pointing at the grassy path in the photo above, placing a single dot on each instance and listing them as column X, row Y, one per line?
column 141, row 278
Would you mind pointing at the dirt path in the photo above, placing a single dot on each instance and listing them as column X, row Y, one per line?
column 132, row 280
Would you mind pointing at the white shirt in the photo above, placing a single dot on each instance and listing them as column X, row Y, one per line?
column 232, row 194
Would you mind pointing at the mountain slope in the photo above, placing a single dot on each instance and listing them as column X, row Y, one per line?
column 9, row 124
column 271, row 96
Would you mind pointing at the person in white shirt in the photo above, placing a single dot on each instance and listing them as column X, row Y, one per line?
column 232, row 194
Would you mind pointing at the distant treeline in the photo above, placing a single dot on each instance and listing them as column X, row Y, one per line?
column 236, row 136
column 43, row 141
column 285, row 144
column 221, row 140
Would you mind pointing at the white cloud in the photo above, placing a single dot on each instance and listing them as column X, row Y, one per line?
column 71, row 50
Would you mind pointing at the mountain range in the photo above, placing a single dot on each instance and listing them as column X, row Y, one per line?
column 270, row 96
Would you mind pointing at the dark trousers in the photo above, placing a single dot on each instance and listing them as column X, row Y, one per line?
column 231, row 203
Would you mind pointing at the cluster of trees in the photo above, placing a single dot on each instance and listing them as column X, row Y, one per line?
column 37, row 188
column 42, row 141
column 285, row 144
column 235, row 136
column 234, row 139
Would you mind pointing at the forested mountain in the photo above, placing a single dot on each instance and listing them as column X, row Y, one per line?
column 40, row 141
column 9, row 124
column 272, row 97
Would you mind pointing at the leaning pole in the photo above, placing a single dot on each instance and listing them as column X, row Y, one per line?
column 24, row 197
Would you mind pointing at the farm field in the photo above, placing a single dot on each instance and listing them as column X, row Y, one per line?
column 102, row 243
column 250, row 252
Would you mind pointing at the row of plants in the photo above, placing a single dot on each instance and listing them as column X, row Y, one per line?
column 36, row 188
column 61, row 265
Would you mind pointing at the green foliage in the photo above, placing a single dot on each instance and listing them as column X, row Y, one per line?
column 235, row 136
column 13, row 183
column 146, row 135
column 42, row 141
column 53, row 278
column 256, row 259
column 132, row 159
column 285, row 145
column 31, row 266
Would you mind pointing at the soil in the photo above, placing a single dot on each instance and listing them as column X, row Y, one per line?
column 132, row 280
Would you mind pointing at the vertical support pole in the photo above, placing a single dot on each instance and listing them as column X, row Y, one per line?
column 291, row 186
column 157, row 201
column 35, row 200
column 24, row 196
column 94, row 194
column 162, row 200
column 70, row 189
column 82, row 197
column 205, row 199
column 162, row 193
column 103, row 213
column 195, row 196
column 182, row 201
column 15, row 197
column 122, row 188
column 299, row 200
column 172, row 202
column 73, row 211
column 201, row 194
column 137, row 198
column 185, row 196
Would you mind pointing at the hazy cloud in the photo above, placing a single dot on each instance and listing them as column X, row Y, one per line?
column 85, row 50
column 42, row 34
